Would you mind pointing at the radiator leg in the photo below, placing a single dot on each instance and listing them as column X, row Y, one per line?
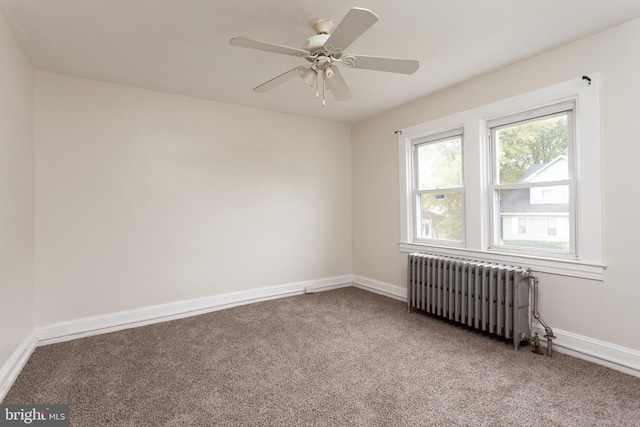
column 409, row 284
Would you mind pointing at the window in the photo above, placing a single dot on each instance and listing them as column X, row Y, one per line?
column 532, row 181
column 522, row 225
column 552, row 227
column 506, row 182
column 438, row 190
column 541, row 229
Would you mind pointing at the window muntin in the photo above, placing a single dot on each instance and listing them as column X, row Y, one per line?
column 532, row 183
column 438, row 188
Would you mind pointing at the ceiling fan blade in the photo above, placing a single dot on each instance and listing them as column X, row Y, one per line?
column 392, row 65
column 276, row 81
column 267, row 47
column 352, row 26
column 338, row 86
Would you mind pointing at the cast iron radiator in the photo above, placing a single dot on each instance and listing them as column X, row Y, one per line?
column 485, row 296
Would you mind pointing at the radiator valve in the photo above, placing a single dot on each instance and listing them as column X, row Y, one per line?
column 535, row 341
column 549, row 336
column 548, row 333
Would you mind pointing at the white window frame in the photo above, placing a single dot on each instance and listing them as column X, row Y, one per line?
column 588, row 261
column 428, row 139
column 493, row 185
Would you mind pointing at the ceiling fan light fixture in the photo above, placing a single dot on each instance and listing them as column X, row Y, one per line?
column 330, row 79
column 309, row 77
column 328, row 72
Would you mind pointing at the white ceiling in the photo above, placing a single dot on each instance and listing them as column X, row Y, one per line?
column 182, row 46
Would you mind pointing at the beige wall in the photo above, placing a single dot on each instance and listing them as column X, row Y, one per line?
column 16, row 193
column 146, row 198
column 606, row 311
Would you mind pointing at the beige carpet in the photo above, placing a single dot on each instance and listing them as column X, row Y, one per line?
column 341, row 358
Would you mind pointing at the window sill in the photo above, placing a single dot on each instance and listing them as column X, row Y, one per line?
column 570, row 268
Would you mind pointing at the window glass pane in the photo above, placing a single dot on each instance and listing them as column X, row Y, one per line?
column 554, row 195
column 440, row 216
column 440, row 164
column 533, row 151
column 522, row 225
column 533, row 225
column 537, row 226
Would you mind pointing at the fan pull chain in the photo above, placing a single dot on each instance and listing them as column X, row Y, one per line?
column 323, row 103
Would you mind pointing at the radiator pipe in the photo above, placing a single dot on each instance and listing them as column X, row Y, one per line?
column 547, row 329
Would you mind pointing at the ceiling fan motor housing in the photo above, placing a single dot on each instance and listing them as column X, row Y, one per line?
column 315, row 44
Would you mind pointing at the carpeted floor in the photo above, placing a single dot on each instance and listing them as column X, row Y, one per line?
column 340, row 358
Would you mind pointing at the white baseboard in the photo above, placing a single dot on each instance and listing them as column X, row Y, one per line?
column 80, row 328
column 328, row 285
column 12, row 367
column 612, row 356
column 382, row 288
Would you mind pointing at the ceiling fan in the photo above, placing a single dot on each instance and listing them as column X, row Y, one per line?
column 326, row 49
